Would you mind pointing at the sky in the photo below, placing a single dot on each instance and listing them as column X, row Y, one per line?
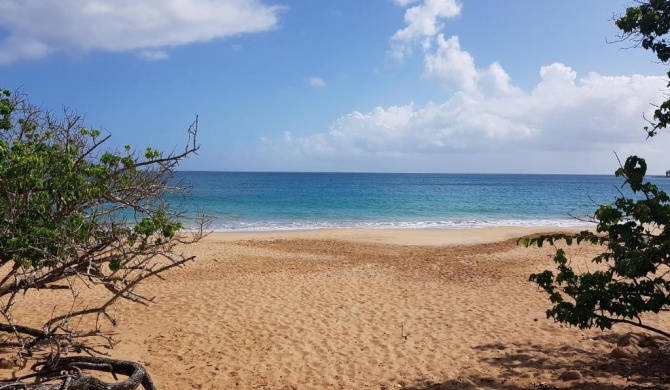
column 453, row 86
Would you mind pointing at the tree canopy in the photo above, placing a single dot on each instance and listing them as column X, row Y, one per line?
column 647, row 25
column 75, row 216
column 633, row 277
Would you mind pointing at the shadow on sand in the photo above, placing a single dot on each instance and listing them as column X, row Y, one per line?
column 637, row 362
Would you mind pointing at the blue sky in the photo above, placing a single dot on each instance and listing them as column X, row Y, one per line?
column 521, row 86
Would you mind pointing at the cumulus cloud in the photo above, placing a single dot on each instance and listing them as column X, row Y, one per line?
column 563, row 113
column 566, row 123
column 423, row 23
column 36, row 28
column 452, row 64
column 317, row 82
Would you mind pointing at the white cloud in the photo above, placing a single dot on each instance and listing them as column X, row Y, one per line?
column 37, row 28
column 422, row 24
column 404, row 3
column 452, row 64
column 567, row 123
column 562, row 115
column 317, row 82
column 153, row 55
column 14, row 47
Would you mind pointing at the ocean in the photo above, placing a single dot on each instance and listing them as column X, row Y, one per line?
column 244, row 201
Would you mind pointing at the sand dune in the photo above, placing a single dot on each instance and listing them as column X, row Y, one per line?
column 372, row 310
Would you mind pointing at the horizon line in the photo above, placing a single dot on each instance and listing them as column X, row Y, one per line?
column 403, row 173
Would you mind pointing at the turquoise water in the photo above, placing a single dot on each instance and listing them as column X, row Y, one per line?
column 297, row 201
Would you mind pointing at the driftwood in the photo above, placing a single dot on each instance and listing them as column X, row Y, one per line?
column 68, row 374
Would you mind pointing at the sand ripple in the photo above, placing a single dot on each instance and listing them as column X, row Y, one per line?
column 319, row 313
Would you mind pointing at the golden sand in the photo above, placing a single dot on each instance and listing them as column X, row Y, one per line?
column 352, row 309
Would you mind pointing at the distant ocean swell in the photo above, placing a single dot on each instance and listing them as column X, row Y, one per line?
column 307, row 201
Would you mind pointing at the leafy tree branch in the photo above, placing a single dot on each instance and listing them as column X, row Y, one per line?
column 75, row 216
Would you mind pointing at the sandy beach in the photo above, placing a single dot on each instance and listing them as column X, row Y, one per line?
column 372, row 309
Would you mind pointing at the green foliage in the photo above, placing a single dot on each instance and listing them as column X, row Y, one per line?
column 6, row 109
column 632, row 281
column 72, row 211
column 651, row 22
column 648, row 25
column 632, row 276
column 52, row 194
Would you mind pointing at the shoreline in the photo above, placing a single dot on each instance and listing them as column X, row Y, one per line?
column 221, row 226
column 418, row 237
column 363, row 309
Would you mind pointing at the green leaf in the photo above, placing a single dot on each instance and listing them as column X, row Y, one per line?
column 115, row 264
